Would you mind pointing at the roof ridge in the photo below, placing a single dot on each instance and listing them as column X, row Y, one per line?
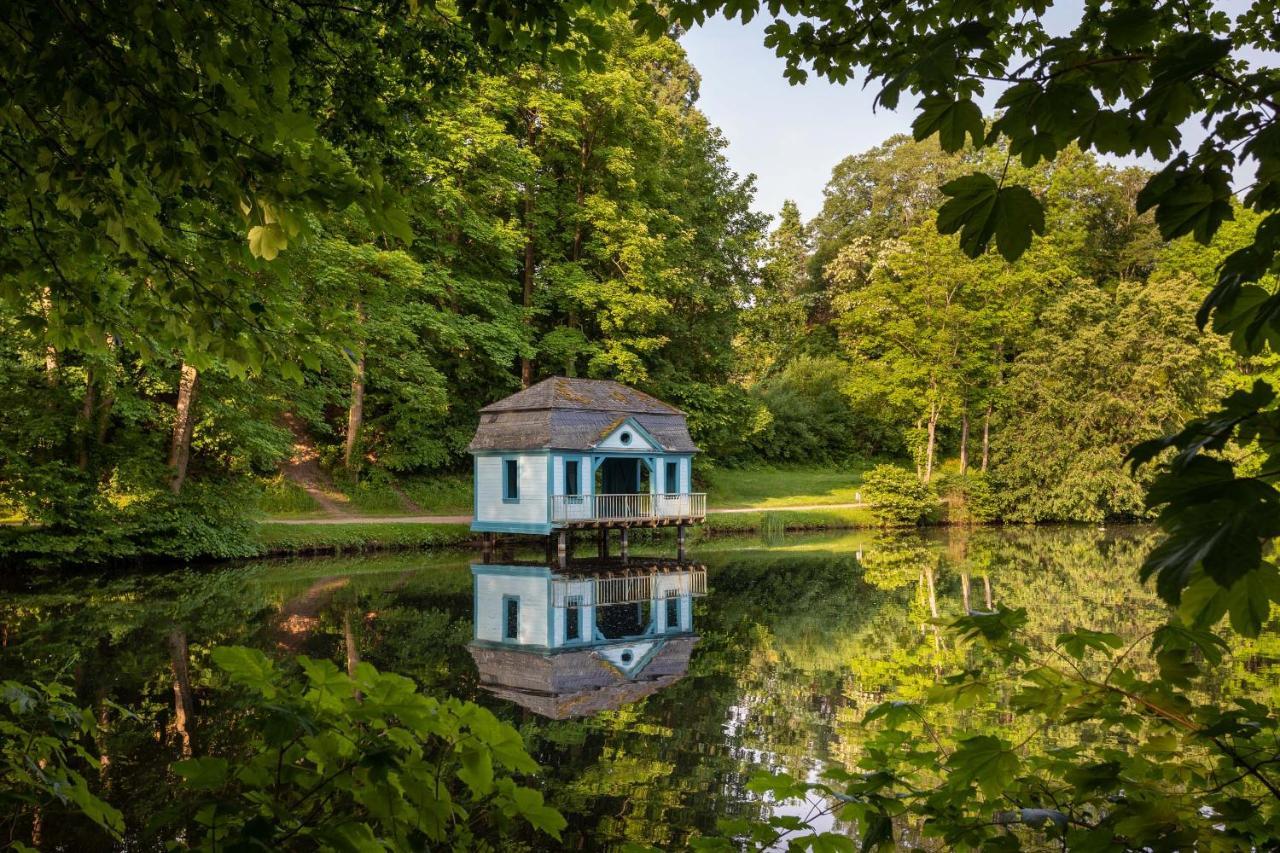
column 582, row 394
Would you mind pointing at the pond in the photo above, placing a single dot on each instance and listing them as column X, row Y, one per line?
column 670, row 683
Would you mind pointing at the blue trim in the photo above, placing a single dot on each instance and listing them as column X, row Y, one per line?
column 504, row 570
column 564, row 466
column 535, row 527
column 551, row 484
column 475, row 605
column 637, row 666
column 475, row 487
column 654, row 444
column 507, row 497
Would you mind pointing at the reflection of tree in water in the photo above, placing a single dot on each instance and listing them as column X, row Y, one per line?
column 796, row 646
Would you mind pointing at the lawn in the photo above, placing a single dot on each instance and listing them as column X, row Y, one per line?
column 442, row 494
column 782, row 487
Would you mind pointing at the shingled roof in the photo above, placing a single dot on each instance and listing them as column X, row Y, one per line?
column 576, row 683
column 577, row 414
column 583, row 395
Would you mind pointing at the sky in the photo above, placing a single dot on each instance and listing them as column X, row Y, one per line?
column 790, row 137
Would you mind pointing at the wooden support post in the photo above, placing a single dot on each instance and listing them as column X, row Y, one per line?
column 602, row 543
column 487, row 547
column 562, row 548
column 680, row 542
column 622, row 544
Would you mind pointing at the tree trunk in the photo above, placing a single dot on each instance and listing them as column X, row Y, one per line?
column 183, row 425
column 964, row 590
column 108, row 398
column 933, row 594
column 916, row 456
column 349, row 639
column 986, row 588
column 50, row 354
column 184, row 708
column 355, row 415
column 84, row 428
column 986, row 438
column 964, row 442
column 104, row 757
column 526, row 363
column 931, row 442
column 353, row 648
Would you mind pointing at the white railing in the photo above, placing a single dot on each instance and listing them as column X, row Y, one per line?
column 603, row 590
column 635, row 508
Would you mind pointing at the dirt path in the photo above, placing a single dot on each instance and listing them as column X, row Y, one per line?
column 303, row 468
column 466, row 519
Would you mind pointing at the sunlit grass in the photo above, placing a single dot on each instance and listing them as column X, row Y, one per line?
column 282, row 498
column 781, row 487
column 790, row 521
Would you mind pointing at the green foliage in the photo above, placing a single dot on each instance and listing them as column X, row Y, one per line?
column 1155, row 764
column 1119, row 80
column 43, row 762
column 274, row 235
column 344, row 761
column 1064, row 458
column 970, row 497
column 898, row 496
column 812, row 416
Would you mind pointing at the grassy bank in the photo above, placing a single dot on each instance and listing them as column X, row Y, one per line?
column 784, row 520
column 380, row 495
column 290, row 539
column 784, row 486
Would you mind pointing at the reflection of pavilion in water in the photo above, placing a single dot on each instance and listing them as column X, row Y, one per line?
column 586, row 636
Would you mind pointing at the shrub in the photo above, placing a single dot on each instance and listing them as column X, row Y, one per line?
column 897, row 497
column 363, row 761
column 971, row 498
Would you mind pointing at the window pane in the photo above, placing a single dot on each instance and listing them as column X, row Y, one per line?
column 513, row 618
column 673, row 477
column 673, row 612
column 511, row 489
column 572, row 620
column 571, row 477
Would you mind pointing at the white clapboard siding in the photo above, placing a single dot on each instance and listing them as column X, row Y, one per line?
column 531, row 508
column 532, row 592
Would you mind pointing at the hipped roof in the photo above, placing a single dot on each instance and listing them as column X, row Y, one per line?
column 577, row 414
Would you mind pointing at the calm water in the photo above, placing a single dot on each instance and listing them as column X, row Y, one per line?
column 665, row 698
